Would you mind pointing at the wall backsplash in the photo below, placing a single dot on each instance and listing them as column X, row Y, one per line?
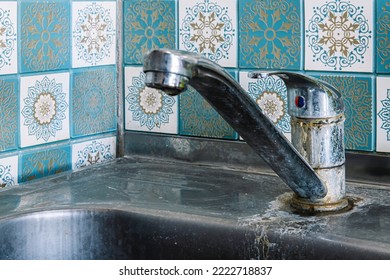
column 345, row 43
column 57, row 87
column 58, row 75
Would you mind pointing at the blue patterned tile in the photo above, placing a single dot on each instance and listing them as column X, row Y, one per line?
column 147, row 25
column 359, row 101
column 383, row 36
column 148, row 109
column 43, row 163
column 270, row 94
column 198, row 118
column 8, row 35
column 209, row 27
column 8, row 112
column 270, row 34
column 8, row 171
column 383, row 114
column 339, row 35
column 93, row 33
column 93, row 101
column 44, row 35
column 93, row 152
column 44, row 108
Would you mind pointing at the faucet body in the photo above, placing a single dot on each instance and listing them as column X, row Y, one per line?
column 173, row 70
column 317, row 132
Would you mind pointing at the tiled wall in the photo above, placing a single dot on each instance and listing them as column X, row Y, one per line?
column 346, row 43
column 57, row 87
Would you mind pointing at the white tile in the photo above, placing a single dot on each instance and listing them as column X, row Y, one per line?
column 93, row 33
column 8, row 171
column 339, row 35
column 271, row 95
column 8, row 38
column 44, row 109
column 383, row 114
column 93, row 152
column 148, row 109
column 209, row 28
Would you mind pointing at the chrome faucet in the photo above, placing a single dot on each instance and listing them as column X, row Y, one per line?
column 313, row 165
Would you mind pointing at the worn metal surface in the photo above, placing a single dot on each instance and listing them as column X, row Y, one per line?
column 172, row 70
column 157, row 209
column 317, row 132
column 114, row 234
column 321, row 143
column 369, row 168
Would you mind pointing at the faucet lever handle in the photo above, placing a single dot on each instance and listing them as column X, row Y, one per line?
column 308, row 97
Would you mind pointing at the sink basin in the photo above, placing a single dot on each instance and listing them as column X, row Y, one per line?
column 113, row 234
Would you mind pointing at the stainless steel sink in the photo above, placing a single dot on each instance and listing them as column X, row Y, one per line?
column 113, row 234
column 140, row 208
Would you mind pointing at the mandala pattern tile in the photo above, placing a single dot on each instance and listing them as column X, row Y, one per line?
column 44, row 109
column 383, row 36
column 44, row 35
column 357, row 92
column 209, row 27
column 339, row 35
column 93, row 152
column 8, row 113
column 148, row 109
column 8, row 35
column 147, row 25
column 93, row 101
column 93, row 33
column 43, row 163
column 8, row 171
column 198, row 118
column 383, row 114
column 270, row 94
column 270, row 34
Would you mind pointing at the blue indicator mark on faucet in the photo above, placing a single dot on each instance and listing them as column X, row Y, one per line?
column 299, row 101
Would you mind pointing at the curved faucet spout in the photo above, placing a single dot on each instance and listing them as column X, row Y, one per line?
column 173, row 70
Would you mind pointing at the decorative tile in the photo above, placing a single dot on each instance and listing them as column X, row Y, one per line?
column 383, row 36
column 148, row 109
column 383, row 114
column 270, row 94
column 93, row 33
column 209, row 27
column 8, row 112
column 43, row 163
column 93, row 101
column 198, row 118
column 357, row 92
column 45, row 35
column 270, row 34
column 339, row 35
column 8, row 35
column 44, row 109
column 93, row 152
column 147, row 25
column 8, row 171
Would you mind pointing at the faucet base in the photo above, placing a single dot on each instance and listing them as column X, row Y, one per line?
column 310, row 207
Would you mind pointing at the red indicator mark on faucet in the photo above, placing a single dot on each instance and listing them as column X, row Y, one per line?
column 299, row 101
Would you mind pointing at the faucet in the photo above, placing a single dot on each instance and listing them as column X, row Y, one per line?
column 312, row 165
